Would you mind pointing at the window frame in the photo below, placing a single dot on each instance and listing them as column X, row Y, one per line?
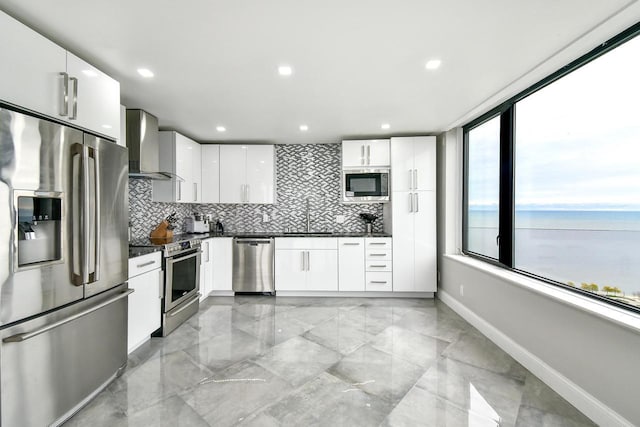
column 506, row 207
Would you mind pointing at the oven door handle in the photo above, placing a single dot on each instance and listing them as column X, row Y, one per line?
column 191, row 255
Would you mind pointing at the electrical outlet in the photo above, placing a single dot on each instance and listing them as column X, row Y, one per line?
column 461, row 290
column 266, row 218
column 340, row 219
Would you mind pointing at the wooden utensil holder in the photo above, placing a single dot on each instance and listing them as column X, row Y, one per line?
column 162, row 231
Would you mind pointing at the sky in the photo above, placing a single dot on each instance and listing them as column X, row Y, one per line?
column 577, row 140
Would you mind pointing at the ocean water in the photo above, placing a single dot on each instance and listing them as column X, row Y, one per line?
column 601, row 247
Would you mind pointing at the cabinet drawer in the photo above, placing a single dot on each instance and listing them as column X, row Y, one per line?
column 144, row 263
column 306, row 243
column 377, row 265
column 378, row 243
column 379, row 281
column 378, row 254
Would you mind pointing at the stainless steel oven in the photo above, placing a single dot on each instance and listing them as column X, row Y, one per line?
column 182, row 278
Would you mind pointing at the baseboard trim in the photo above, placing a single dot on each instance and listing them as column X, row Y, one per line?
column 593, row 408
column 354, row 294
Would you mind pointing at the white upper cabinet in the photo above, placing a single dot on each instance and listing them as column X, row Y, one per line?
column 41, row 73
column 180, row 156
column 210, row 173
column 365, row 153
column 95, row 98
column 413, row 161
column 247, row 174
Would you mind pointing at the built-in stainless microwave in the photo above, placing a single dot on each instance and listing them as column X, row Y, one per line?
column 365, row 185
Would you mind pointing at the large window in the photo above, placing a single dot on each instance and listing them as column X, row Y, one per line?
column 567, row 185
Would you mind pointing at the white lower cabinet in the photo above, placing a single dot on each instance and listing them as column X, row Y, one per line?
column 351, row 264
column 145, row 278
column 306, row 264
column 206, row 268
column 378, row 264
column 222, row 254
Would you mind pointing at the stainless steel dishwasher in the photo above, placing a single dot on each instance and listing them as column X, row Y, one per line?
column 253, row 265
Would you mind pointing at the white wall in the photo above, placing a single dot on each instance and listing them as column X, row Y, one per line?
column 591, row 361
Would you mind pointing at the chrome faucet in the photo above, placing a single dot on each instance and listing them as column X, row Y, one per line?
column 308, row 217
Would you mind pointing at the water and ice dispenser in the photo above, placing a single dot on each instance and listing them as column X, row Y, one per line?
column 39, row 230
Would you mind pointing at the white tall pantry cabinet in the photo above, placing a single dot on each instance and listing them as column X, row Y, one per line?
column 413, row 213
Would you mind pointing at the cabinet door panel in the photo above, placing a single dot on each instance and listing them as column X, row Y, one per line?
column 222, row 254
column 210, row 173
column 97, row 97
column 351, row 264
column 403, row 241
column 425, row 275
column 196, row 171
column 425, row 162
column 402, row 164
column 290, row 274
column 377, row 152
column 144, row 307
column 260, row 174
column 184, row 168
column 30, row 74
column 232, row 173
column 322, row 273
column 353, row 153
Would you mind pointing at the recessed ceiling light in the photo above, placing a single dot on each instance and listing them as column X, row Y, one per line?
column 145, row 72
column 285, row 70
column 221, row 128
column 432, row 64
column 385, row 126
column 304, row 128
column 90, row 73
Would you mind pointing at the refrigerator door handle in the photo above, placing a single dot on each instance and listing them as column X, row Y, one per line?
column 94, row 195
column 85, row 215
column 26, row 335
column 77, row 208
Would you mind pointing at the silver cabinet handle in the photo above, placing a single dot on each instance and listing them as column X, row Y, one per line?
column 179, row 190
column 351, row 244
column 362, row 154
column 378, row 265
column 302, row 261
column 196, row 299
column 144, row 264
column 377, row 254
column 74, row 110
column 26, row 335
column 410, row 180
column 377, row 243
column 410, row 202
column 417, row 204
column 381, row 282
column 368, row 154
column 64, row 99
column 195, row 191
column 208, row 251
column 415, row 179
column 248, row 194
column 243, row 191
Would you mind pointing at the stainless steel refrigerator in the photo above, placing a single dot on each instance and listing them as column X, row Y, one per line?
column 63, row 268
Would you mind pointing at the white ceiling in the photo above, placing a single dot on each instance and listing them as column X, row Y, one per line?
column 357, row 63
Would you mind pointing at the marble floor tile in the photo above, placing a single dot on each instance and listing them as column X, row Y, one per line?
column 411, row 346
column 229, row 396
column 378, row 373
column 477, row 350
column 255, row 360
column 326, row 401
column 226, row 349
column 298, row 360
column 475, row 390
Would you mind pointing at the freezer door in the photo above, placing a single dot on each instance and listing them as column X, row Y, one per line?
column 39, row 172
column 53, row 364
column 106, row 214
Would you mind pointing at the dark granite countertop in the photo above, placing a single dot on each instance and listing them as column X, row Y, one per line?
column 139, row 251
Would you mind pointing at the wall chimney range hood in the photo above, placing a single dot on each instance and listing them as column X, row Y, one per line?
column 144, row 146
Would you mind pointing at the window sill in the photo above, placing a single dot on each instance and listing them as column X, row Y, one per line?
column 605, row 311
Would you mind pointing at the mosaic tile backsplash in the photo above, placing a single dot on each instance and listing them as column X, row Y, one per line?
column 303, row 171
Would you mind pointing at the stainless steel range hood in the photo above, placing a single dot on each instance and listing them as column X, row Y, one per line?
column 144, row 147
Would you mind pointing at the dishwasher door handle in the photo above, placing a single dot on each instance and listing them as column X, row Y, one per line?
column 253, row 242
